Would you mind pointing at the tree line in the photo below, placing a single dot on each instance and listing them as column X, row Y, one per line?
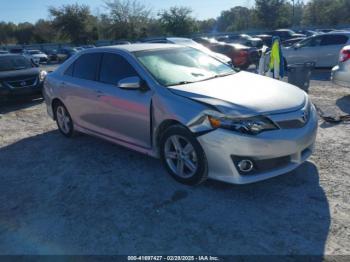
column 131, row 20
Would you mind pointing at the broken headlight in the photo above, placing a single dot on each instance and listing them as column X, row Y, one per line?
column 249, row 125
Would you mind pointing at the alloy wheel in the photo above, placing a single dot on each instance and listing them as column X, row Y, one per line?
column 180, row 156
column 63, row 119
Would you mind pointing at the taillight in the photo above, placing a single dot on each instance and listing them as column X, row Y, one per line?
column 344, row 55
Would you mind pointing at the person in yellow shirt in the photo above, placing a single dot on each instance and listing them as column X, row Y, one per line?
column 276, row 66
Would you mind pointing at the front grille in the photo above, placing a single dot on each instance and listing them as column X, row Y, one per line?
column 28, row 82
column 261, row 166
column 298, row 120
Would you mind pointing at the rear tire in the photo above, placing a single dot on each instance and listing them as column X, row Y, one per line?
column 63, row 120
column 183, row 156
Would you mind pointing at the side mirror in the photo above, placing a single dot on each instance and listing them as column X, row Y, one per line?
column 132, row 83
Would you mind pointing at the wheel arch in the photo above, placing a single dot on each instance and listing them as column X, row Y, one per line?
column 164, row 125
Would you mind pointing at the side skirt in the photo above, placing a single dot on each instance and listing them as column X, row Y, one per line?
column 146, row 151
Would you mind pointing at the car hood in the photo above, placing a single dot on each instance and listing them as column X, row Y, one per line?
column 244, row 94
column 19, row 74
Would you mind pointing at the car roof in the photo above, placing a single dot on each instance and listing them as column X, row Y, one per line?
column 139, row 47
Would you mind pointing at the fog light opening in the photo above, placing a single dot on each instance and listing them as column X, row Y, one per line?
column 245, row 165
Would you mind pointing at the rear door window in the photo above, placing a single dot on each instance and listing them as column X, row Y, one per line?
column 334, row 40
column 114, row 68
column 85, row 67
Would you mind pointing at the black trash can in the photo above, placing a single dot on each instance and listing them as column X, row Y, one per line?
column 299, row 74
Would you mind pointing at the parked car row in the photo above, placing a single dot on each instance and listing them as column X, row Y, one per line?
column 298, row 47
column 239, row 51
column 47, row 55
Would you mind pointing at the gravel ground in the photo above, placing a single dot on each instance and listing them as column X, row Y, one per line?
column 87, row 196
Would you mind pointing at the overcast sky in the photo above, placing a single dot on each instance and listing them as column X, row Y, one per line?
column 31, row 10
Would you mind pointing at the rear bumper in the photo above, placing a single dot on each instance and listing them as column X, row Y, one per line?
column 289, row 148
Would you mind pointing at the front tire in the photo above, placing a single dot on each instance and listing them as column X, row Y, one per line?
column 64, row 120
column 183, row 156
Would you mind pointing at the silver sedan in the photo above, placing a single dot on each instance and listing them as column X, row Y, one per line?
column 198, row 115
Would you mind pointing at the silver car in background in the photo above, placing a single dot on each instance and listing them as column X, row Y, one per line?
column 341, row 72
column 200, row 116
column 323, row 49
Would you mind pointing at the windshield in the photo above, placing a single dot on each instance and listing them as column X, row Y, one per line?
column 178, row 66
column 8, row 63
